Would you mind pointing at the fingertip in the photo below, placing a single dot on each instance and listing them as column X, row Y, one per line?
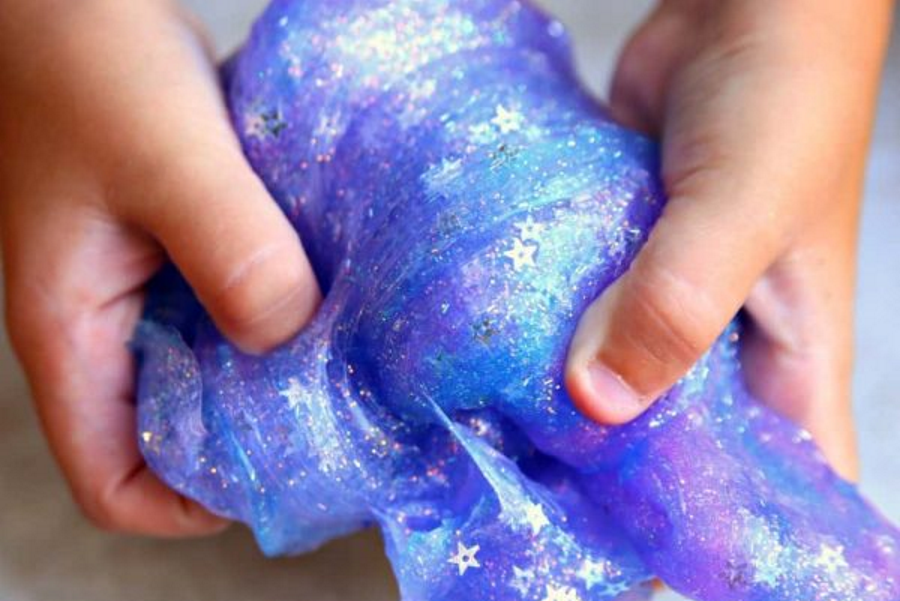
column 275, row 322
column 196, row 520
column 267, row 300
column 598, row 390
column 602, row 395
column 235, row 247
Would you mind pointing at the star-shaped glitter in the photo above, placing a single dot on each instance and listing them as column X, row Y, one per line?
column 735, row 574
column 446, row 171
column 522, row 580
column 484, row 330
column 831, row 558
column 449, row 224
column 536, row 518
column 482, row 133
column 614, row 589
column 254, row 126
column 529, row 229
column 561, row 593
column 603, row 576
column 521, row 255
column 503, row 155
column 507, row 120
column 593, row 573
column 294, row 393
column 265, row 124
column 465, row 558
column 768, row 574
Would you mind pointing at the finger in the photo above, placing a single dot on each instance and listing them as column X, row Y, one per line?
column 234, row 245
column 738, row 189
column 71, row 336
column 798, row 351
column 722, row 227
column 178, row 172
column 638, row 92
column 649, row 327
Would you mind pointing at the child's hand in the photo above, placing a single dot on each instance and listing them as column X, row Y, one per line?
column 115, row 147
column 764, row 108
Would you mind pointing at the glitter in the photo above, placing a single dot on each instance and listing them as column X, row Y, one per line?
column 462, row 203
column 536, row 518
column 465, row 558
column 507, row 120
column 561, row 593
column 529, row 229
column 522, row 581
column 521, row 255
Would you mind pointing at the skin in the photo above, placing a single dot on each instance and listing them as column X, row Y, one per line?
column 121, row 145
column 764, row 109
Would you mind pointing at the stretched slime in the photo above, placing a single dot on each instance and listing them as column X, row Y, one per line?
column 463, row 200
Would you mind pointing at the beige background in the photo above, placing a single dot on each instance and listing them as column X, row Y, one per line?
column 48, row 553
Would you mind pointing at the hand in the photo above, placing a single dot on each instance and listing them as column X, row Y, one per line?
column 117, row 151
column 765, row 110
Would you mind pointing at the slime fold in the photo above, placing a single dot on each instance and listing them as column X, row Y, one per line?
column 463, row 200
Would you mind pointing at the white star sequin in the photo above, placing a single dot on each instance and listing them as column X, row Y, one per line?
column 522, row 580
column 294, row 393
column 465, row 558
column 831, row 558
column 482, row 133
column 529, row 229
column 521, row 255
column 507, row 120
column 593, row 573
column 603, row 577
column 768, row 575
column 536, row 518
column 561, row 593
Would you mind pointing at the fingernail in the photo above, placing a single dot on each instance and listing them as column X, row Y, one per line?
column 612, row 391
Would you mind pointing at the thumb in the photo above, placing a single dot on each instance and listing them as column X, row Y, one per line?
column 690, row 279
column 236, row 248
column 658, row 319
column 740, row 183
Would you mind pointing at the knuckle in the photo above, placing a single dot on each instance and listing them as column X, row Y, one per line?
column 667, row 307
column 257, row 287
column 100, row 509
column 700, row 158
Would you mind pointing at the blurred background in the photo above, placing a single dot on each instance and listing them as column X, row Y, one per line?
column 48, row 552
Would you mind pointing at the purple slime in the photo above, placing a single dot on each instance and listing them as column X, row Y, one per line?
column 463, row 200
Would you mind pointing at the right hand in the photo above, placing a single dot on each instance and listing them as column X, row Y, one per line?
column 117, row 151
column 764, row 110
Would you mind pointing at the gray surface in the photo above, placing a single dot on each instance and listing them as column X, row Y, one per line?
column 48, row 553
